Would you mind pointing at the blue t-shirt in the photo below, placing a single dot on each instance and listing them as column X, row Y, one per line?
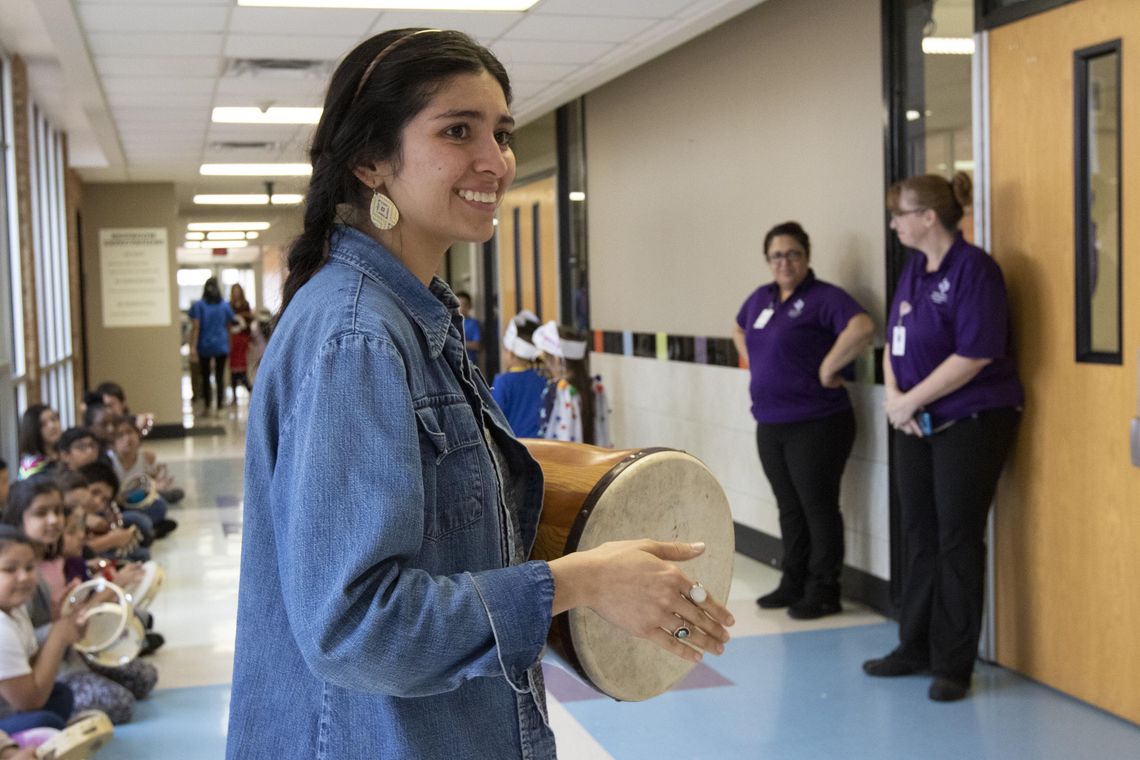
column 472, row 331
column 213, row 327
column 519, row 395
column 786, row 344
column 959, row 309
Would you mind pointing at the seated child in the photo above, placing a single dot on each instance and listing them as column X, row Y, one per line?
column 518, row 391
column 114, row 398
column 39, row 434
column 77, row 448
column 36, row 505
column 30, row 695
column 119, row 536
column 134, row 468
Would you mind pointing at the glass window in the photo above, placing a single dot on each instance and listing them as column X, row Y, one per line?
column 1096, row 80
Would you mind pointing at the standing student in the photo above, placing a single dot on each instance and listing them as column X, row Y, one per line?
column 240, row 335
column 518, row 390
column 799, row 333
column 374, row 447
column 954, row 400
column 211, row 318
column 472, row 329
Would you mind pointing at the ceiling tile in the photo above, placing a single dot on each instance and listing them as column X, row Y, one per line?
column 158, row 18
column 177, row 66
column 517, row 51
column 586, row 28
column 303, row 21
column 306, row 47
column 158, row 85
column 626, row 8
column 481, row 25
column 540, row 72
column 162, row 45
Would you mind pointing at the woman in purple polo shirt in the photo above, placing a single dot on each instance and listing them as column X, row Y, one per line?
column 953, row 395
column 800, row 335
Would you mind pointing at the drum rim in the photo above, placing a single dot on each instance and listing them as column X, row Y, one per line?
column 562, row 620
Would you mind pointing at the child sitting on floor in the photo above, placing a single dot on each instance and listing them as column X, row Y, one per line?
column 36, row 506
column 135, row 471
column 39, row 434
column 30, row 695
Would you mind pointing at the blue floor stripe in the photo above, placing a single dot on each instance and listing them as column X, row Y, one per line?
column 805, row 696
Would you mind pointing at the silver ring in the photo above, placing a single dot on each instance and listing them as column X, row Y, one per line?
column 697, row 594
column 682, row 633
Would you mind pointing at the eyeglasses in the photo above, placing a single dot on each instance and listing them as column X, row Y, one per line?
column 789, row 256
column 900, row 213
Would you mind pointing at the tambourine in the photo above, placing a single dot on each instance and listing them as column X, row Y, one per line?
column 138, row 492
column 78, row 741
column 141, row 594
column 113, row 634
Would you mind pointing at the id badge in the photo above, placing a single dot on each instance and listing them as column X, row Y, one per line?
column 898, row 341
column 763, row 318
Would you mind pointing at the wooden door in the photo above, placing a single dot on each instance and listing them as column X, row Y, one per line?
column 528, row 250
column 1067, row 520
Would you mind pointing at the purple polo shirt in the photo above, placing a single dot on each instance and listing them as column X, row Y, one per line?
column 960, row 309
column 786, row 349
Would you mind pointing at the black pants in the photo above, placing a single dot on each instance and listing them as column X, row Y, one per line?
column 946, row 483
column 219, row 372
column 804, row 463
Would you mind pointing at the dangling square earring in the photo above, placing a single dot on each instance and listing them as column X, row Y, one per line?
column 383, row 211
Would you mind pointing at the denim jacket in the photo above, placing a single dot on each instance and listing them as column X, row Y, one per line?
column 379, row 612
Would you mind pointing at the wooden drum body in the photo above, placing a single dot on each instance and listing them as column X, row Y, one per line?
column 595, row 495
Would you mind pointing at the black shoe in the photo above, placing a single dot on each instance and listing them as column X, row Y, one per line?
column 164, row 528
column 893, row 665
column 810, row 609
column 781, row 597
column 944, row 689
column 153, row 642
column 173, row 495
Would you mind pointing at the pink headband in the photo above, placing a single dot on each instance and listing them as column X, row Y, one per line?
column 382, row 55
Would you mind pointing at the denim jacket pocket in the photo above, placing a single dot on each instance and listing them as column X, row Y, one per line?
column 450, row 446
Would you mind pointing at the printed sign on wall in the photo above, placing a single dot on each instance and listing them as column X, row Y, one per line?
column 136, row 277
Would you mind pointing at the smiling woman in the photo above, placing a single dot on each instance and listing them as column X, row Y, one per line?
column 389, row 512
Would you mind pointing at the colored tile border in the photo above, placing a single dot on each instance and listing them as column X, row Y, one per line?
column 701, row 349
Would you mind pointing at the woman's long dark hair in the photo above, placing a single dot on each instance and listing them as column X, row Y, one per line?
column 31, row 439
column 362, row 123
column 211, row 291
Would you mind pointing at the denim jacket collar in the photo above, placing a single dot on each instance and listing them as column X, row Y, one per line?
column 431, row 308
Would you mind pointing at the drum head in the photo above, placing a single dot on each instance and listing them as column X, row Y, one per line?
column 124, row 649
column 665, row 495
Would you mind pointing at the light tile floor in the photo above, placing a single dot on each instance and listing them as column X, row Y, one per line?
column 784, row 689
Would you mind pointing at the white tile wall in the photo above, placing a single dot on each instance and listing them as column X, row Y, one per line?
column 704, row 410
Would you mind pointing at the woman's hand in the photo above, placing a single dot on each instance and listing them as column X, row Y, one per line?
column 636, row 586
column 830, row 379
column 900, row 409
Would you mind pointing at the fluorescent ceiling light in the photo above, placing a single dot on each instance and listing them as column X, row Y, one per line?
column 252, row 235
column 271, row 115
column 948, row 45
column 398, row 5
column 913, row 115
column 247, row 199
column 213, row 226
column 577, row 195
column 225, row 236
column 195, row 235
column 256, row 170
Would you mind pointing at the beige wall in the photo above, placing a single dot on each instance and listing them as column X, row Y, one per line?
column 775, row 115
column 144, row 360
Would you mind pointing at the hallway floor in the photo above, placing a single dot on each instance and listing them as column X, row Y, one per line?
column 784, row 689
